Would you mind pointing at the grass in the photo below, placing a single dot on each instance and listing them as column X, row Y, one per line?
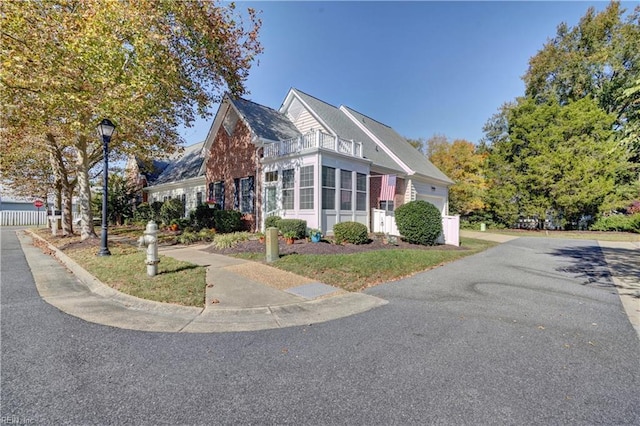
column 125, row 270
column 353, row 272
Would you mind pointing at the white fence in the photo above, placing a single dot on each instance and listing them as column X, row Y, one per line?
column 385, row 221
column 25, row 218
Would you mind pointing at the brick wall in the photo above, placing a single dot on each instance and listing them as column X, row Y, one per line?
column 233, row 157
column 374, row 187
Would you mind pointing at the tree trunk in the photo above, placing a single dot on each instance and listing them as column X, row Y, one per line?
column 84, row 190
column 60, row 174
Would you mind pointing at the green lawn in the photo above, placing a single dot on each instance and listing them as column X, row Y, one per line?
column 356, row 271
column 125, row 270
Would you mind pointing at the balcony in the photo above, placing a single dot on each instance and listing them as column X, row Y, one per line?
column 313, row 140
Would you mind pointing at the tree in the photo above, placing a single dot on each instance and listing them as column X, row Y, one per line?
column 599, row 57
column 553, row 158
column 149, row 66
column 418, row 144
column 461, row 161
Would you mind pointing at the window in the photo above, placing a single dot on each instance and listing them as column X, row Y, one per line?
column 198, row 198
column 271, row 176
column 216, row 193
column 361, row 192
column 328, row 188
column 386, row 205
column 246, row 195
column 346, row 188
column 184, row 205
column 230, row 121
column 287, row 188
column 306, row 187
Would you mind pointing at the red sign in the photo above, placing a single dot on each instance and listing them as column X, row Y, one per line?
column 38, row 204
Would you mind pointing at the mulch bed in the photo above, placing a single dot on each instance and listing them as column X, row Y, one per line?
column 324, row 247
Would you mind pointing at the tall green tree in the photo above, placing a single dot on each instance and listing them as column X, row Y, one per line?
column 150, row 66
column 553, row 158
column 600, row 58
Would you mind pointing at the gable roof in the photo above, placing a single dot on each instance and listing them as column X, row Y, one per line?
column 339, row 124
column 183, row 165
column 380, row 143
column 398, row 145
column 264, row 122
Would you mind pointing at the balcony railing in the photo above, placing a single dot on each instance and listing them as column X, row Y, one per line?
column 313, row 139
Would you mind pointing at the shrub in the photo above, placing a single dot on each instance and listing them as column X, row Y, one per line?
column 229, row 240
column 272, row 221
column 295, row 226
column 617, row 222
column 202, row 217
column 187, row 238
column 145, row 212
column 170, row 210
column 419, row 222
column 350, row 232
column 226, row 221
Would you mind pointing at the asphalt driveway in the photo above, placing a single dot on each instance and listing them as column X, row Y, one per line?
column 519, row 334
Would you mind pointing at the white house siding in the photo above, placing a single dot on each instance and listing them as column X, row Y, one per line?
column 318, row 217
column 329, row 218
column 436, row 194
column 175, row 190
column 302, row 119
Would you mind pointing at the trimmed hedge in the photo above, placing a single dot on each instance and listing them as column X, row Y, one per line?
column 419, row 222
column 272, row 221
column 618, row 222
column 295, row 226
column 223, row 221
column 350, row 232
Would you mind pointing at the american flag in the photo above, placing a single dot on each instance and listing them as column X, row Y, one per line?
column 388, row 187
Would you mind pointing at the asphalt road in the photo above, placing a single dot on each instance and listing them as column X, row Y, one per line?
column 524, row 333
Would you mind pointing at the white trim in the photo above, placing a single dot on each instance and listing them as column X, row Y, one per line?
column 378, row 142
column 287, row 102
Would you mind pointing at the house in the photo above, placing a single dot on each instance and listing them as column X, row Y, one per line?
column 178, row 177
column 311, row 160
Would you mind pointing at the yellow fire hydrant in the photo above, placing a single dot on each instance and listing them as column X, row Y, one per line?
column 150, row 240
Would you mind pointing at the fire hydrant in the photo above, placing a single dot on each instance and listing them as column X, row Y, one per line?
column 150, row 240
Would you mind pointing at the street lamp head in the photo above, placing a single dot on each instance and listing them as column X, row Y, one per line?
column 106, row 128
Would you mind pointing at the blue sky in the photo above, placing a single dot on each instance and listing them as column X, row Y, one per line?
column 423, row 68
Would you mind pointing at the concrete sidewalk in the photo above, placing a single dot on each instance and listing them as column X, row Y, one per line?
column 240, row 295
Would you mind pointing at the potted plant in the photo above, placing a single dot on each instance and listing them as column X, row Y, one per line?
column 315, row 235
column 211, row 203
column 289, row 237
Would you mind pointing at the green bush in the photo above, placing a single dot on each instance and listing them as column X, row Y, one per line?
column 272, row 221
column 170, row 210
column 295, row 226
column 618, row 222
column 226, row 221
column 145, row 212
column 229, row 240
column 202, row 217
column 419, row 222
column 350, row 232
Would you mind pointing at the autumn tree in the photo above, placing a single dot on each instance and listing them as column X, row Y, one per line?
column 461, row 161
column 149, row 66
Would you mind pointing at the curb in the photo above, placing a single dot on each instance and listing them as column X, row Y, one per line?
column 99, row 288
column 107, row 306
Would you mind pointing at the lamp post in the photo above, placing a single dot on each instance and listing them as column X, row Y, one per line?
column 105, row 129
